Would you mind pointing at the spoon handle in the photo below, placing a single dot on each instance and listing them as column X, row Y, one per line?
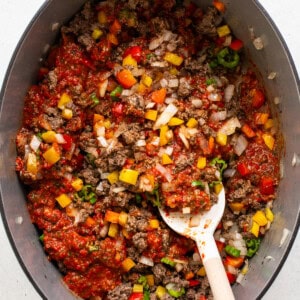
column 214, row 268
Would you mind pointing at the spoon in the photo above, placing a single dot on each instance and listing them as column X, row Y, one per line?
column 202, row 234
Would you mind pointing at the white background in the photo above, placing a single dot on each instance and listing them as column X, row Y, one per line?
column 14, row 17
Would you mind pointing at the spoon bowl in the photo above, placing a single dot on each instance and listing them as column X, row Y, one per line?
column 201, row 227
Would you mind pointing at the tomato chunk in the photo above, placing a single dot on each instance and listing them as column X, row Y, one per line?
column 258, row 98
column 266, row 186
column 135, row 52
column 136, row 296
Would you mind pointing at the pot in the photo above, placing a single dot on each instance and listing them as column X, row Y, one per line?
column 248, row 22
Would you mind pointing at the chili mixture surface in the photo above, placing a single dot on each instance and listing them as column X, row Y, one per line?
column 144, row 104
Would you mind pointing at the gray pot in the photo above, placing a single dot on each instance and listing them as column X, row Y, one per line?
column 248, row 20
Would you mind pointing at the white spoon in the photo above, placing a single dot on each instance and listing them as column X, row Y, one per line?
column 202, row 234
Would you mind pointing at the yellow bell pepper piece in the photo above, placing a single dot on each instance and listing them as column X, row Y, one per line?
column 236, row 206
column 201, row 163
column 269, row 124
column 63, row 200
column 113, row 230
column 269, row 214
column 223, row 30
column 173, row 58
column 175, row 121
column 201, row 272
column 147, row 80
column 123, row 217
column 77, row 184
column 218, row 188
column 173, row 71
column 255, row 229
column 192, row 123
column 52, row 155
column 160, row 291
column 49, row 136
column 137, row 288
column 128, row 264
column 102, row 18
column 269, row 140
column 141, row 89
column 150, row 279
column 166, row 159
column 151, row 115
column 163, row 140
column 260, row 218
column 32, row 165
column 67, row 113
column 154, row 223
column 221, row 139
column 97, row 33
column 129, row 176
column 113, row 177
column 63, row 101
column 129, row 61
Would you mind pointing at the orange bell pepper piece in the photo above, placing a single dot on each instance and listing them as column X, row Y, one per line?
column 159, row 96
column 126, row 79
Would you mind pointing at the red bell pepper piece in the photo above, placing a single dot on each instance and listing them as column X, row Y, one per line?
column 248, row 131
column 135, row 52
column 258, row 98
column 202, row 297
column 136, row 296
column 236, row 45
column 266, row 186
column 68, row 144
column 231, row 278
column 115, row 27
column 194, row 282
column 243, row 169
column 236, row 262
column 220, row 246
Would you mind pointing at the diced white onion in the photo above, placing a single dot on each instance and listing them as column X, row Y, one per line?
column 155, row 141
column 104, row 230
column 218, row 116
column 258, row 43
column 240, row 278
column 169, row 100
column 163, row 171
column 99, row 187
column 100, row 131
column 102, row 141
column 166, row 116
column 168, row 187
column 163, row 82
column 119, row 189
column 230, row 126
column 196, row 256
column 103, row 87
column 184, row 140
column 93, row 151
column 138, row 72
column 103, row 175
column 59, row 138
column 173, row 83
column 272, row 75
column 146, row 261
column 150, row 105
column 68, row 176
column 210, row 88
column 169, row 150
column 214, row 97
column 178, row 267
column 196, row 102
column 159, row 64
column 35, row 143
column 167, row 35
column 140, row 143
column 155, row 43
column 228, row 92
column 229, row 173
column 231, row 269
column 127, row 93
column 240, row 145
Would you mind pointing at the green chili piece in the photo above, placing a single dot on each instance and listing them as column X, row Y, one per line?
column 95, row 99
column 210, row 81
column 228, row 58
column 41, row 238
column 116, row 93
column 154, row 197
column 252, row 246
column 232, row 251
column 176, row 293
column 198, row 183
column 146, row 295
column 168, row 261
